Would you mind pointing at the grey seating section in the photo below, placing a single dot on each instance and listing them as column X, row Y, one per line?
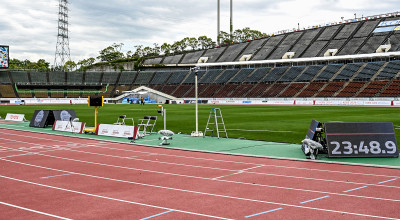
column 292, row 74
column 242, row 75
column 209, row 76
column 352, row 46
column 110, row 77
column 369, row 70
column 328, row 72
column 253, row 47
column 309, row 73
column 74, row 78
column 20, row 77
column 334, row 44
column 348, row 71
column 160, row 77
column 127, row 78
column 192, row 57
column 177, row 77
column 268, row 47
column 304, row 42
column 232, row 52
column 346, row 31
column 372, row 44
column 190, row 78
column 258, row 74
column 328, row 33
column 315, row 48
column 285, row 45
column 366, row 28
column 394, row 41
column 38, row 77
column 143, row 78
column 172, row 59
column 274, row 74
column 152, row 61
column 92, row 78
column 213, row 54
column 226, row 75
column 390, row 70
column 57, row 77
column 4, row 77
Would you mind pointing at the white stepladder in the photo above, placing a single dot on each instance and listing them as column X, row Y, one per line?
column 218, row 120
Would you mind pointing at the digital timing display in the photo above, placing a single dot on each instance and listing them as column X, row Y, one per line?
column 4, row 56
column 365, row 139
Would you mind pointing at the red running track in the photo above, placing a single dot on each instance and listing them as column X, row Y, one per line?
column 47, row 176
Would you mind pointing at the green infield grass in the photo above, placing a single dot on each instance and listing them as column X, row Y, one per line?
column 258, row 122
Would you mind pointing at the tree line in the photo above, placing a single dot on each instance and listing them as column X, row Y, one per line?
column 112, row 55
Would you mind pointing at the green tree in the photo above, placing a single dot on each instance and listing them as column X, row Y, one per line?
column 206, row 42
column 111, row 53
column 165, row 48
column 193, row 43
column 41, row 65
column 69, row 65
column 85, row 63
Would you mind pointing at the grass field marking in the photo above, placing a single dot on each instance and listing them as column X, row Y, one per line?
column 189, row 191
column 260, row 130
column 195, row 177
column 35, row 211
column 108, row 198
column 286, row 176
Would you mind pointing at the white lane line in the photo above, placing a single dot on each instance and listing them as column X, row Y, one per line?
column 105, row 197
column 100, row 142
column 204, row 178
column 195, row 177
column 190, row 191
column 236, row 171
column 35, row 211
column 267, row 174
column 47, row 177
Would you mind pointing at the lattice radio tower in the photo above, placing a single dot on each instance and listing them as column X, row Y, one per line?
column 62, row 47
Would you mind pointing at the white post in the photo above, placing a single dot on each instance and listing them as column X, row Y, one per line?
column 197, row 104
column 196, row 133
column 165, row 119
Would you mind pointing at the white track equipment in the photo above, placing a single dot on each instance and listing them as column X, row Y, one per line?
column 166, row 135
column 312, row 148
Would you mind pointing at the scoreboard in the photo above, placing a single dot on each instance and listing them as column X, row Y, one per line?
column 361, row 139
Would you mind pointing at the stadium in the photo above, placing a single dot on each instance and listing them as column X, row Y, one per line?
column 269, row 90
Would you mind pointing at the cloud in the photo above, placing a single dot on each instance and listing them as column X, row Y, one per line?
column 30, row 27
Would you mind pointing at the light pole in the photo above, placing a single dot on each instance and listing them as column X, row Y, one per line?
column 196, row 133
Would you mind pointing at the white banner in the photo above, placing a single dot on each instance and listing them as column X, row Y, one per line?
column 69, row 126
column 15, row 117
column 123, row 131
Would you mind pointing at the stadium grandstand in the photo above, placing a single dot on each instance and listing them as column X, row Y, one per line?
column 353, row 58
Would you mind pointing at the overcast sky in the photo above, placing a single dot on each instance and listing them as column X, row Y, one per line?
column 30, row 26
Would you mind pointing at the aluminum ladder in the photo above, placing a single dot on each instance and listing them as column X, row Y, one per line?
column 216, row 115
